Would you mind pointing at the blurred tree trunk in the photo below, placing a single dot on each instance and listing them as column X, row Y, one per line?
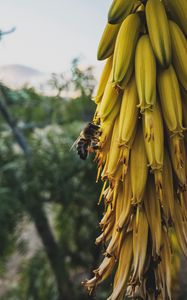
column 52, row 250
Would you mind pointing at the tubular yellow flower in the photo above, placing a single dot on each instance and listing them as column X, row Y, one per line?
column 140, row 142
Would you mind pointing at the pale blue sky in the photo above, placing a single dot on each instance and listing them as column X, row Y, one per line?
column 51, row 32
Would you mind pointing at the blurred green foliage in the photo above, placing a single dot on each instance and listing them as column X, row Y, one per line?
column 55, row 185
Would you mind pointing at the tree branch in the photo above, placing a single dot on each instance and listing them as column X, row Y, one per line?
column 12, row 124
column 8, row 31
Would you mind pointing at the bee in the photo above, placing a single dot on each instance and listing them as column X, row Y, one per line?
column 88, row 140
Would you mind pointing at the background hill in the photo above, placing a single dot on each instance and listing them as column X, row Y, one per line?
column 16, row 76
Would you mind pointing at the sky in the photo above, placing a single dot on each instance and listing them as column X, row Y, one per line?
column 50, row 33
